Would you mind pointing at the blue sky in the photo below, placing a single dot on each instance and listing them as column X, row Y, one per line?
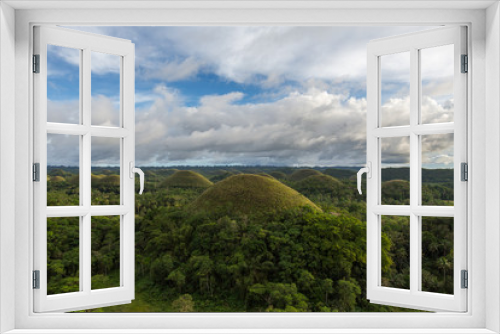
column 243, row 95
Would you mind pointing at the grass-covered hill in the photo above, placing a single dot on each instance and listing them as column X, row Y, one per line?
column 105, row 180
column 250, row 194
column 278, row 175
column 302, row 174
column 186, row 179
column 318, row 184
column 396, row 192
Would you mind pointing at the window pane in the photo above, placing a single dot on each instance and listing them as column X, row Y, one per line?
column 395, row 89
column 395, row 252
column 63, row 176
column 437, row 169
column 105, row 89
column 63, row 255
column 395, row 170
column 105, row 252
column 437, row 73
column 63, row 84
column 437, row 254
column 105, row 171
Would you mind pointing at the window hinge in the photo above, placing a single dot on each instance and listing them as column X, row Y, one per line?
column 36, row 279
column 464, row 168
column 465, row 64
column 36, row 63
column 36, row 172
column 465, row 279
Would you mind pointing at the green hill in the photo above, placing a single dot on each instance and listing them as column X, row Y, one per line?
column 250, row 194
column 220, row 177
column 340, row 173
column 396, row 192
column 319, row 184
column 278, row 175
column 186, row 179
column 302, row 174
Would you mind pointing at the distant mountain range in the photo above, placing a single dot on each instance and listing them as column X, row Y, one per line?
column 388, row 174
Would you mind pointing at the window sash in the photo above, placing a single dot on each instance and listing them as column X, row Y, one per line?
column 414, row 297
column 85, row 298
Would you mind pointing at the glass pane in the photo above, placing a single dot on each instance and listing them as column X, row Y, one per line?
column 63, row 84
column 395, row 170
column 63, row 171
column 105, row 89
column 63, row 255
column 395, row 252
column 437, row 72
column 437, row 169
column 437, row 254
column 105, row 252
column 395, row 89
column 105, row 171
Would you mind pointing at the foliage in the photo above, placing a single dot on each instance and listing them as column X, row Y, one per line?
column 302, row 174
column 270, row 248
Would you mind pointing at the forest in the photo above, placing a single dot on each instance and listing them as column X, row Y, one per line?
column 249, row 239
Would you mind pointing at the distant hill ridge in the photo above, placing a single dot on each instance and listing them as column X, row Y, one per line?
column 215, row 172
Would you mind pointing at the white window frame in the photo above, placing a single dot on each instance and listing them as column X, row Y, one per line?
column 484, row 103
column 415, row 297
column 85, row 43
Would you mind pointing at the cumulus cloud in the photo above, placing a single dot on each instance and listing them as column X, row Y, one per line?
column 105, row 151
column 102, row 63
column 63, row 150
column 66, row 111
column 308, row 128
column 314, row 115
column 174, row 70
column 104, row 111
column 265, row 55
column 437, row 151
column 395, row 151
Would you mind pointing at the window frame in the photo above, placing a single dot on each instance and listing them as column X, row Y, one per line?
column 476, row 317
column 413, row 44
column 86, row 44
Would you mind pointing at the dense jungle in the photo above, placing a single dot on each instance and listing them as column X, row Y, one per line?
column 249, row 239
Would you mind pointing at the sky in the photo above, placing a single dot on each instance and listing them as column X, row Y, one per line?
column 250, row 95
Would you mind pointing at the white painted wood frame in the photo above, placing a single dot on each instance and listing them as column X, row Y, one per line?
column 86, row 43
column 415, row 297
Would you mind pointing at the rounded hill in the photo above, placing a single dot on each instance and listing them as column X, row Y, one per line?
column 396, row 190
column 186, row 179
column 278, row 175
column 302, row 174
column 318, row 184
column 250, row 194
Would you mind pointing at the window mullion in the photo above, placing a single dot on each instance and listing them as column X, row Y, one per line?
column 85, row 188
column 415, row 248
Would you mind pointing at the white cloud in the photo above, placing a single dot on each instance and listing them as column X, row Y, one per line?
column 102, row 63
column 104, row 111
column 174, row 70
column 312, row 127
column 266, row 55
column 63, row 111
